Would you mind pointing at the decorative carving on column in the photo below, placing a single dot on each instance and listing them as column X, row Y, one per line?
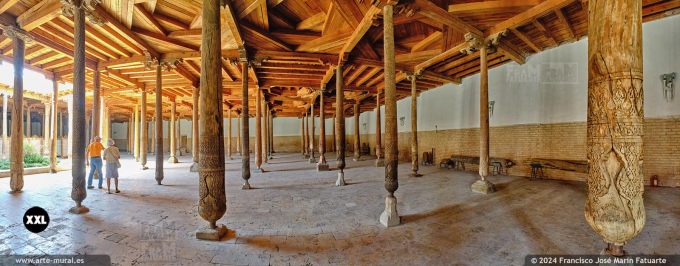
column 340, row 125
column 614, row 204
column 414, row 125
column 476, row 43
column 19, row 38
column 173, row 131
column 312, row 129
column 322, row 165
column 357, row 134
column 194, row 131
column 389, row 217
column 379, row 161
column 258, row 130
column 245, row 133
column 70, row 8
column 212, row 198
column 78, row 9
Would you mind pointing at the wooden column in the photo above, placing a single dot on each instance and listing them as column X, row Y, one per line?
column 53, row 127
column 357, row 135
column 78, row 193
column 229, row 134
column 322, row 165
column 137, row 130
column 258, row 130
column 340, row 125
column 390, row 217
column 16, row 156
column 305, row 134
column 483, row 185
column 333, row 144
column 5, row 143
column 173, row 131
column 614, row 203
column 312, row 138
column 195, row 154
column 158, row 128
column 96, row 104
column 379, row 161
column 265, row 132
column 212, row 197
column 144, row 133
column 414, row 126
column 245, row 133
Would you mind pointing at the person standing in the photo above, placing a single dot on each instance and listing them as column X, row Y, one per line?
column 94, row 153
column 112, row 157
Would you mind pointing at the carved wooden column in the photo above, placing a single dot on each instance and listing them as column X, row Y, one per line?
column 414, row 126
column 389, row 216
column 614, row 205
column 229, row 134
column 78, row 9
column 312, row 138
column 159, row 123
column 137, row 130
column 173, row 131
column 245, row 133
column 96, row 103
column 258, row 130
column 5, row 143
column 340, row 125
column 19, row 37
column 144, row 133
column 212, row 197
column 305, row 134
column 357, row 134
column 53, row 127
column 322, row 165
column 302, row 136
column 379, row 161
column 195, row 154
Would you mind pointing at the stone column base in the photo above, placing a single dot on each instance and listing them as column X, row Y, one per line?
column 173, row 159
column 322, row 167
column 193, row 168
column 380, row 162
column 212, row 234
column 79, row 210
column 483, row 186
column 341, row 180
column 389, row 216
column 246, row 185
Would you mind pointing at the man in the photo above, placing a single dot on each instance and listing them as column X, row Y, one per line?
column 94, row 153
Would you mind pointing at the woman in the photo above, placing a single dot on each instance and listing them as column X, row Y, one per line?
column 112, row 157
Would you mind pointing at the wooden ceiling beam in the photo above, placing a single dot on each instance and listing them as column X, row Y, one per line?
column 431, row 10
column 565, row 22
column 165, row 39
column 125, row 31
column 39, row 14
column 526, row 40
column 441, row 57
column 150, row 19
column 359, row 30
column 527, row 16
column 265, row 36
column 6, row 4
column 491, row 6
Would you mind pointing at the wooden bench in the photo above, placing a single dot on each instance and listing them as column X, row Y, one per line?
column 499, row 165
column 538, row 164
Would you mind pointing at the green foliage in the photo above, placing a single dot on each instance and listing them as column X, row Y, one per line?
column 31, row 158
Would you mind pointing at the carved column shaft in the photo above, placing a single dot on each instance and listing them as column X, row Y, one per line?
column 391, row 144
column 312, row 137
column 322, row 130
column 414, row 126
column 483, row 113
column 340, row 121
column 96, row 104
column 258, row 130
column 78, row 193
column 16, row 155
column 144, row 132
column 357, row 135
column 245, row 134
column 173, row 131
column 614, row 206
column 212, row 197
column 159, row 126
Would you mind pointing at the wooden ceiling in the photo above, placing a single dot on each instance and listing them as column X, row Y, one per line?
column 296, row 44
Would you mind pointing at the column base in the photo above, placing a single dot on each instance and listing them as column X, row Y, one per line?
column 483, row 187
column 79, row 210
column 246, row 185
column 613, row 250
column 322, row 167
column 212, row 234
column 380, row 162
column 193, row 168
column 173, row 159
column 341, row 180
column 389, row 216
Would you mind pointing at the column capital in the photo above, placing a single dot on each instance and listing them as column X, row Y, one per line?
column 14, row 32
column 476, row 42
column 69, row 8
